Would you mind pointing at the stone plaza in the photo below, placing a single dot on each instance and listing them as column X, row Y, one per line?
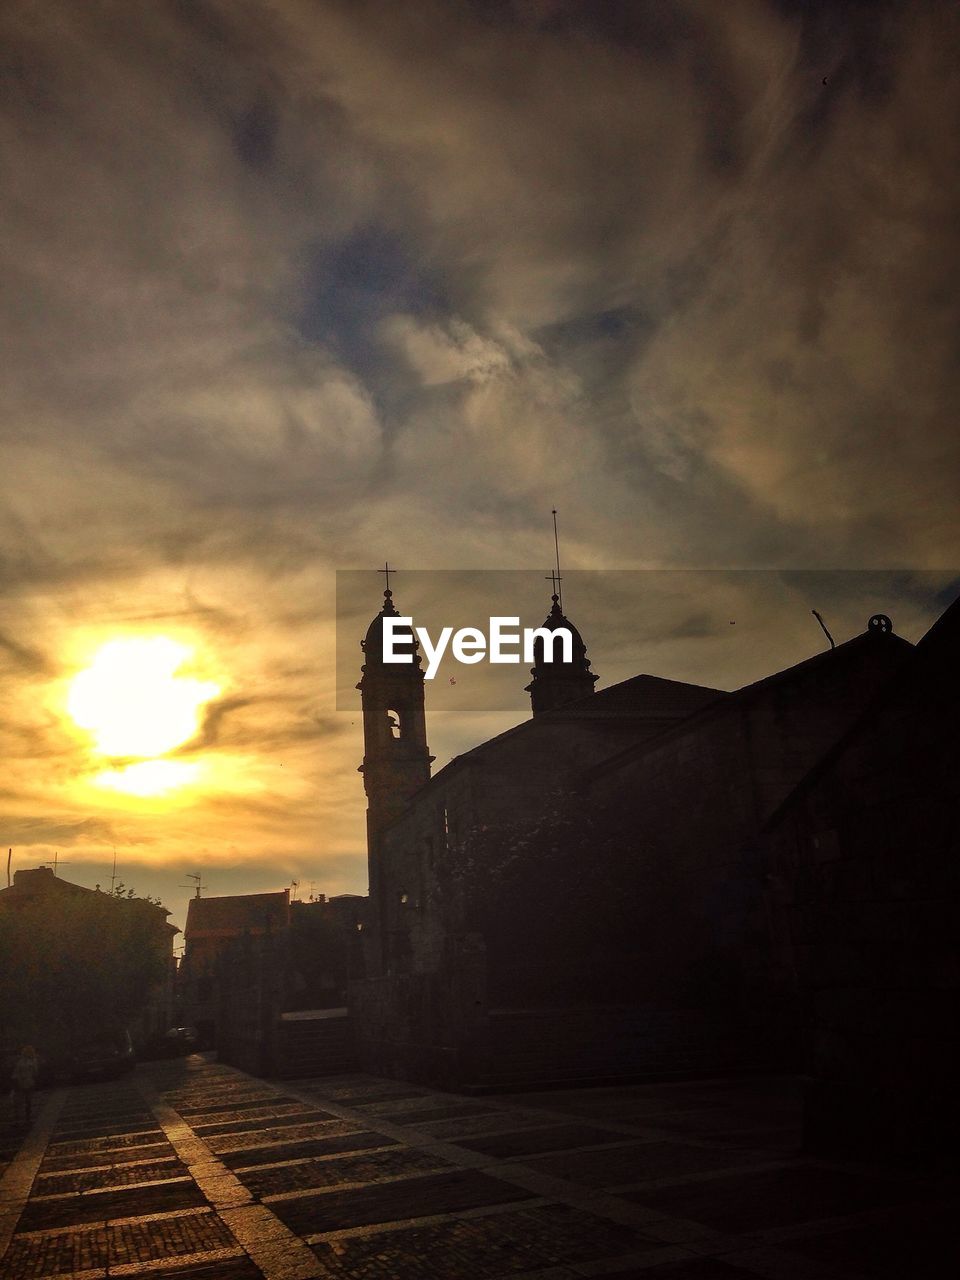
column 193, row 1169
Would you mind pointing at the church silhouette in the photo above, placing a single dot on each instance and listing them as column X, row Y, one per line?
column 633, row 882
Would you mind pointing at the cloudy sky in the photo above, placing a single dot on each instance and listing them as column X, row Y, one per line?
column 291, row 286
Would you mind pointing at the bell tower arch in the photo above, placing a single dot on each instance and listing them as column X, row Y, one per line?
column 396, row 759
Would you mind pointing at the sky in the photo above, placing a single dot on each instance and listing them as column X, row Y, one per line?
column 296, row 286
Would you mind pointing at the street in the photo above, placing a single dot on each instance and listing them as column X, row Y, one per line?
column 192, row 1169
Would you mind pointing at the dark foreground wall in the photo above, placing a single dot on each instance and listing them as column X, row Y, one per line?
column 436, row 1027
column 863, row 865
column 427, row 1026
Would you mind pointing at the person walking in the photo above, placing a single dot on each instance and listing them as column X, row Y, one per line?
column 24, row 1077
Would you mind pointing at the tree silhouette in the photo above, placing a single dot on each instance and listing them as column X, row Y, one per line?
column 77, row 965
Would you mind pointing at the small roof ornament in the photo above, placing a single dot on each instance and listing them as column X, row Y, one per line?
column 372, row 642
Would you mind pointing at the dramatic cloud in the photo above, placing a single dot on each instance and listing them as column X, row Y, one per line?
column 293, row 285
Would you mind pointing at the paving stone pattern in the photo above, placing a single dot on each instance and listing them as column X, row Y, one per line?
column 191, row 1170
column 63, row 1252
column 108, row 1175
column 393, row 1201
column 270, row 1153
column 646, row 1162
column 514, row 1241
column 53, row 1162
column 370, row 1167
column 528, row 1142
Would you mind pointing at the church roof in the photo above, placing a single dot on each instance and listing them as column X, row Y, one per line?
column 929, row 658
column 641, row 697
column 850, row 652
column 640, row 700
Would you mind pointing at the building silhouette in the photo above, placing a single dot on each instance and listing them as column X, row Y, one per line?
column 264, row 979
column 601, row 892
column 41, row 895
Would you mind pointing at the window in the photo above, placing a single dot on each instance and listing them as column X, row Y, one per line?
column 394, row 722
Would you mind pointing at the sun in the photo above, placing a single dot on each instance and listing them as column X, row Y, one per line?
column 148, row 778
column 134, row 700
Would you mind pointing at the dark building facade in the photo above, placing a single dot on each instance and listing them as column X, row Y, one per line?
column 38, row 890
column 214, row 928
column 594, row 894
column 863, row 860
column 264, row 980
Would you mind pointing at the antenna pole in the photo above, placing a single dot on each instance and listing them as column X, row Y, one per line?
column 556, row 547
column 9, row 860
column 192, row 875
column 54, row 865
column 113, row 876
column 833, row 643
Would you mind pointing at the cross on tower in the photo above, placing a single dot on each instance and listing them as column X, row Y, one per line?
column 555, row 579
column 386, row 571
column 558, row 591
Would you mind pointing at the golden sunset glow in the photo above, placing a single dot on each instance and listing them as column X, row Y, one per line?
column 390, row 282
column 134, row 701
column 149, row 777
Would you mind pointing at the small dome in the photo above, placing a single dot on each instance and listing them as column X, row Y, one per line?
column 405, row 641
column 580, row 662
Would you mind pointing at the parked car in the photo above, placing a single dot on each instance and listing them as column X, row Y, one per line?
column 175, row 1043
column 181, row 1040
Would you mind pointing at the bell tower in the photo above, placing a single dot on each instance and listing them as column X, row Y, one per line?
column 396, row 759
column 556, row 683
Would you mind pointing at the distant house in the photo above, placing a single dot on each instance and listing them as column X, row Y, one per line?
column 259, row 970
column 38, row 889
column 326, row 950
column 214, row 926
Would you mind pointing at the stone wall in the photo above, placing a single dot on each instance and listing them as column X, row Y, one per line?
column 250, row 984
column 864, row 866
column 650, row 892
column 428, row 1026
column 509, row 779
column 696, row 800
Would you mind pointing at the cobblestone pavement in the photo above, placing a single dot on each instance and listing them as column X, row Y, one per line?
column 194, row 1170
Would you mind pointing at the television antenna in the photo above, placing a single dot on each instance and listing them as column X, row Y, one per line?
column 197, row 885
column 56, row 862
column 823, row 627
